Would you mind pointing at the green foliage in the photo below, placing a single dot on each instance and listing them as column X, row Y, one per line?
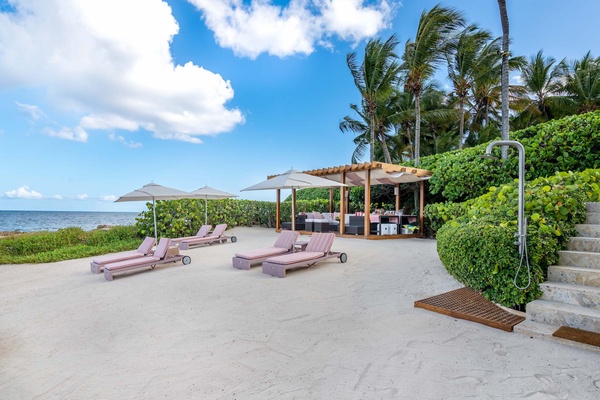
column 569, row 144
column 477, row 245
column 440, row 213
column 64, row 244
column 184, row 217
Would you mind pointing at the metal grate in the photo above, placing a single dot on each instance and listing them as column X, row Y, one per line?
column 465, row 303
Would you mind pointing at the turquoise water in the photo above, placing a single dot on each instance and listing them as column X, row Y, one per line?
column 33, row 221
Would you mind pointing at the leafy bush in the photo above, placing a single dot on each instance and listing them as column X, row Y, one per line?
column 177, row 218
column 568, row 144
column 478, row 247
column 184, row 217
column 66, row 244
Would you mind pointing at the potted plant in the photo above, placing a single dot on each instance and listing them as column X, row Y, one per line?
column 408, row 229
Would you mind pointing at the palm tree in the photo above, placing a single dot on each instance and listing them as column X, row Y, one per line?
column 362, row 129
column 583, row 83
column 422, row 56
column 437, row 117
column 543, row 80
column 375, row 79
column 471, row 56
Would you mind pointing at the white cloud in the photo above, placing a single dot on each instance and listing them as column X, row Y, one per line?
column 77, row 134
column 109, row 198
column 127, row 143
column 23, row 193
column 351, row 20
column 57, row 197
column 82, row 196
column 261, row 27
column 517, row 79
column 109, row 62
column 33, row 112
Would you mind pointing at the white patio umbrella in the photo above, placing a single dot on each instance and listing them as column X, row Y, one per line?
column 153, row 192
column 294, row 180
column 208, row 193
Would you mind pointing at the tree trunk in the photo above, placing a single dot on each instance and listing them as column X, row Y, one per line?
column 505, row 54
column 386, row 151
column 461, row 129
column 417, row 127
column 372, row 138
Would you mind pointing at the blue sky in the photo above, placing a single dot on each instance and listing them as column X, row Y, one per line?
column 98, row 98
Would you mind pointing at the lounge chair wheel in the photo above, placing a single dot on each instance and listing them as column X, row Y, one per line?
column 233, row 239
column 186, row 260
column 343, row 257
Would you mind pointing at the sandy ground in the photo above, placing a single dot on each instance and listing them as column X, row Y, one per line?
column 209, row 331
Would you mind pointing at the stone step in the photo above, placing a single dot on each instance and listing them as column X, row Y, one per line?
column 593, row 218
column 593, row 207
column 588, row 230
column 558, row 314
column 578, row 275
column 543, row 331
column 584, row 244
column 571, row 293
column 579, row 259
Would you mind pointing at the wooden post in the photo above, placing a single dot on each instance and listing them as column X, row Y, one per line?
column 421, row 208
column 343, row 205
column 397, row 188
column 367, row 203
column 278, row 211
column 331, row 199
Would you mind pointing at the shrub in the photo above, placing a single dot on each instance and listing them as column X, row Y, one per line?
column 66, row 244
column 177, row 218
column 568, row 144
column 478, row 247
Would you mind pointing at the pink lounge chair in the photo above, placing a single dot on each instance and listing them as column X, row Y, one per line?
column 318, row 249
column 97, row 264
column 161, row 256
column 283, row 244
column 203, row 232
column 216, row 236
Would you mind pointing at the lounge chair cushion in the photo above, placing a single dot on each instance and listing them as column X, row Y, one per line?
column 202, row 232
column 159, row 254
column 320, row 242
column 124, row 255
column 286, row 239
column 146, row 245
column 261, row 253
column 130, row 263
column 141, row 251
column 293, row 258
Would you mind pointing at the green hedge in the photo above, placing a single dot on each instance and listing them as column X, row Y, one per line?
column 478, row 249
column 568, row 144
column 184, row 217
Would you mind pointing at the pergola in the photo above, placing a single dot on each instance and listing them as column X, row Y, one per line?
column 367, row 175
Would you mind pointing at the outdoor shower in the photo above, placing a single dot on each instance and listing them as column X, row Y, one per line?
column 521, row 234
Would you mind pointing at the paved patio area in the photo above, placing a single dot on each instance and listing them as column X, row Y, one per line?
column 209, row 331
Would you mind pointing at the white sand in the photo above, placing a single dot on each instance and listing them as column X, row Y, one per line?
column 209, row 331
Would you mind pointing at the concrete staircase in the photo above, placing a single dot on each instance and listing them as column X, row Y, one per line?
column 572, row 293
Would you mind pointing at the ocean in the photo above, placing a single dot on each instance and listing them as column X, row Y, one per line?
column 33, row 221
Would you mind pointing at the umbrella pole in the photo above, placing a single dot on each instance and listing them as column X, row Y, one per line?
column 293, row 209
column 205, row 209
column 154, row 212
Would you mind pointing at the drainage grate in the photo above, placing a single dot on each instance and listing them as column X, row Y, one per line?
column 465, row 303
